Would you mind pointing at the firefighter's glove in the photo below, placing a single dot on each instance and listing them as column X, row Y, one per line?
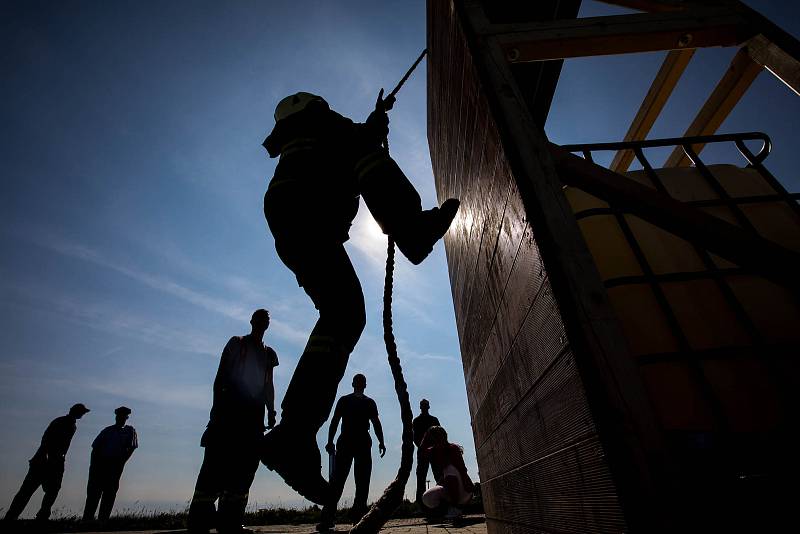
column 378, row 124
column 271, row 419
column 382, row 449
column 331, row 448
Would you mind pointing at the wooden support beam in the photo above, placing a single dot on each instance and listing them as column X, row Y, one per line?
column 663, row 84
column 776, row 60
column 621, row 34
column 740, row 74
column 665, row 5
column 637, row 456
column 773, row 48
column 731, row 242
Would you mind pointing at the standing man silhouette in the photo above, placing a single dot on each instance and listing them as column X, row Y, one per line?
column 356, row 411
column 243, row 389
column 421, row 424
column 47, row 465
column 112, row 447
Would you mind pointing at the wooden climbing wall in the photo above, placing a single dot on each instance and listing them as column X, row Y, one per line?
column 541, row 464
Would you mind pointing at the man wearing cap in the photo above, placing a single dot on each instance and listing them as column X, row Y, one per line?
column 243, row 389
column 112, row 447
column 326, row 162
column 420, row 425
column 46, row 468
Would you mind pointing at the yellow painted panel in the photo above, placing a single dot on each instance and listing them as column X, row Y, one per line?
column 774, row 311
column 676, row 397
column 608, row 246
column 704, row 315
column 642, row 320
column 665, row 252
column 580, row 200
column 746, row 393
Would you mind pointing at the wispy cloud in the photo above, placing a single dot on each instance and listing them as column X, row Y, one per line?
column 167, row 394
column 160, row 283
column 234, row 310
column 110, row 319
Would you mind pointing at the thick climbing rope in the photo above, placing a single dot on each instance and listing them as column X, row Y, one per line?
column 392, row 496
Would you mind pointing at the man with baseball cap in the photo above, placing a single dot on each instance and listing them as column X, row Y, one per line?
column 112, row 447
column 46, row 468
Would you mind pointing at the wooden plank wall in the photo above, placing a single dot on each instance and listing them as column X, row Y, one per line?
column 542, row 468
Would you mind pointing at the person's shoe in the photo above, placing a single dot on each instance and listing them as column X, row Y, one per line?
column 296, row 459
column 418, row 241
column 326, row 525
column 453, row 513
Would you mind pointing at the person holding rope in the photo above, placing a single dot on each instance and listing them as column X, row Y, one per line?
column 326, row 162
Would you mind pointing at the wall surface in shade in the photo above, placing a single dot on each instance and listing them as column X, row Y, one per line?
column 541, row 465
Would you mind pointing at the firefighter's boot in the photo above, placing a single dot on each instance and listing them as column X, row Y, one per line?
column 290, row 448
column 397, row 207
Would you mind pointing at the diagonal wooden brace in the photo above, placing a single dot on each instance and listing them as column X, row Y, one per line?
column 731, row 242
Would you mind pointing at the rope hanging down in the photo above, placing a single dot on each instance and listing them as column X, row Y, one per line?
column 392, row 496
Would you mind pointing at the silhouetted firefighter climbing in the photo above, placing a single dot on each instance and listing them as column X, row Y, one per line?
column 327, row 161
column 243, row 389
column 354, row 447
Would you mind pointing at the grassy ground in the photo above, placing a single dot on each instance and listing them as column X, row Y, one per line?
column 149, row 520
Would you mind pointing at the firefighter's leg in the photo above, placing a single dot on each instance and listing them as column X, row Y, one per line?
column 396, row 206
column 33, row 479
column 324, row 271
column 202, row 514
column 236, row 488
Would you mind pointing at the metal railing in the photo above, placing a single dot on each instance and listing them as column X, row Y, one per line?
column 712, row 270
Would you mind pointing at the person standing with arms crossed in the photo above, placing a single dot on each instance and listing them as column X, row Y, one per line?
column 356, row 411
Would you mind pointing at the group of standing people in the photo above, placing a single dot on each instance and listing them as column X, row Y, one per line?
column 244, row 393
column 326, row 163
column 111, row 449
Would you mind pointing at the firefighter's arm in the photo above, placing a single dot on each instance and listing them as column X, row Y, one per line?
column 378, row 121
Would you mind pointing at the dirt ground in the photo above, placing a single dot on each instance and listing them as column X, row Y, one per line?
column 467, row 525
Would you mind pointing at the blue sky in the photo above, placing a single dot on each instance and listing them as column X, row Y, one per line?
column 133, row 238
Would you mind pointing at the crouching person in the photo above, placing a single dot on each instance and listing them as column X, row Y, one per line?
column 243, row 389
column 453, row 486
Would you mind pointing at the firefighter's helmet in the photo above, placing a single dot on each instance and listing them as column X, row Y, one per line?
column 294, row 103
